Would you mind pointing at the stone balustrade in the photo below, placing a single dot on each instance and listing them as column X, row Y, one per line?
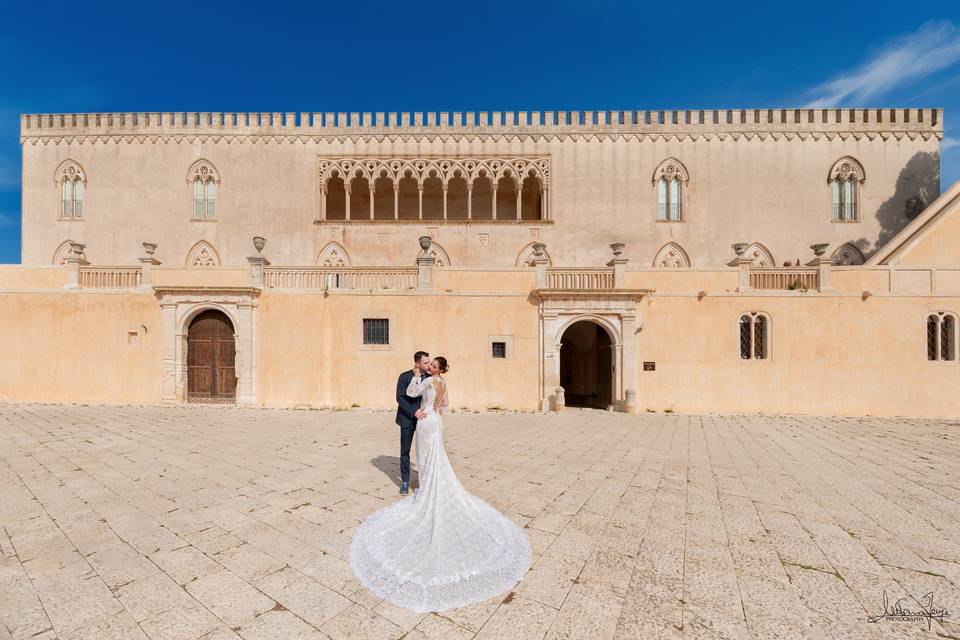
column 110, row 277
column 785, row 278
column 343, row 278
column 580, row 278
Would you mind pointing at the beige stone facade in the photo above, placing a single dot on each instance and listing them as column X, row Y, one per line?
column 626, row 259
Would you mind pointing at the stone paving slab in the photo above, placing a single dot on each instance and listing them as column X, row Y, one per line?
column 193, row 522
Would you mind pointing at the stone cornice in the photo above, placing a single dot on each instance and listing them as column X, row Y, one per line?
column 548, row 126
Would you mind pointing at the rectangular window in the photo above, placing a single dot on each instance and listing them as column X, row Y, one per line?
column 376, row 331
column 78, row 198
column 675, row 199
column 662, row 198
column 198, row 199
column 211, row 199
column 499, row 349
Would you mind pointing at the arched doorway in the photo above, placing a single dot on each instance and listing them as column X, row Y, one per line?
column 211, row 358
column 586, row 365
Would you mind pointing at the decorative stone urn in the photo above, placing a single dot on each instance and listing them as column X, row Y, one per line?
column 259, row 243
column 425, row 242
column 149, row 248
column 819, row 249
column 617, row 248
column 739, row 248
column 538, row 249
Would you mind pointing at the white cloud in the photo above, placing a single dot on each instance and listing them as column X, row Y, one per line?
column 949, row 143
column 935, row 46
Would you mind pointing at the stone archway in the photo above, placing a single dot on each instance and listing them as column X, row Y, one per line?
column 613, row 312
column 587, row 365
column 211, row 358
column 180, row 306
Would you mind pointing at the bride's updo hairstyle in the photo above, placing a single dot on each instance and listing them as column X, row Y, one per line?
column 442, row 364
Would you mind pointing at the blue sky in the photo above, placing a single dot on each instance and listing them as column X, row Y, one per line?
column 244, row 56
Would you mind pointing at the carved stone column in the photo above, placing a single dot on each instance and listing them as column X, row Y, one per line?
column 628, row 332
column 743, row 264
column 420, row 201
column 147, row 261
column 74, row 260
column 519, row 200
column 470, row 201
column 619, row 265
column 824, row 265
column 540, row 264
column 257, row 263
column 396, row 202
column 445, row 200
column 372, row 193
column 346, row 191
column 493, row 213
column 168, row 314
column 425, row 264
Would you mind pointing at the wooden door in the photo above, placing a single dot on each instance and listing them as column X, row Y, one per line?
column 211, row 355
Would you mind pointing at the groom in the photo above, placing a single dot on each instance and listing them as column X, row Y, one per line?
column 407, row 408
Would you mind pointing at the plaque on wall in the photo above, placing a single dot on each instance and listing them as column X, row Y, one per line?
column 649, row 366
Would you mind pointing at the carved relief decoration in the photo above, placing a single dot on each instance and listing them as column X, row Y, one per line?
column 516, row 169
column 847, row 254
column 759, row 255
column 333, row 255
column 203, row 255
column 670, row 169
column 846, row 168
column 64, row 250
column 204, row 171
column 671, row 255
column 69, row 171
column 525, row 257
column 438, row 252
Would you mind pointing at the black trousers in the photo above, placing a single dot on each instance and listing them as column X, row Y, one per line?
column 406, row 439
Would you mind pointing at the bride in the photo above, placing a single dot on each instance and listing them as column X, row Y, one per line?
column 442, row 547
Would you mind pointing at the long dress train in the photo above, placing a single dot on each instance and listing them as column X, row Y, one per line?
column 442, row 547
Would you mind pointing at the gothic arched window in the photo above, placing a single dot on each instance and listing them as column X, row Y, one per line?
column 73, row 185
column 670, row 178
column 845, row 178
column 206, row 182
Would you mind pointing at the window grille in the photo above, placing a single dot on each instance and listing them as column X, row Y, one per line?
column 376, row 331
column 499, row 349
column 941, row 337
column 754, row 336
column 204, row 198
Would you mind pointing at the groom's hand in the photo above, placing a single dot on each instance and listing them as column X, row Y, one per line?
column 421, row 414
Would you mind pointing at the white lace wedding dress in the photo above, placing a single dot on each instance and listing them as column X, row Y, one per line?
column 442, row 547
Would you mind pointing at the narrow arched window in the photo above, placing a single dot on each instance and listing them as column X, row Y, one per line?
column 72, row 183
column 754, row 336
column 845, row 179
column 206, row 182
column 670, row 178
column 204, row 198
column 941, row 337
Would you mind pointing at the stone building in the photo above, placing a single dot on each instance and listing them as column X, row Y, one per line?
column 722, row 260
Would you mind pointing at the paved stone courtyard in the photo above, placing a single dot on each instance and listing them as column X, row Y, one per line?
column 216, row 522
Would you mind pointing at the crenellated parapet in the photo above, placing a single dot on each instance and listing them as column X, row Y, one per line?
column 801, row 124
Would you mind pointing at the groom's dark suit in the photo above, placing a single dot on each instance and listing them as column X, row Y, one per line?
column 406, row 417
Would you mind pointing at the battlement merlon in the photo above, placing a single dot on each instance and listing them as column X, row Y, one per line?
column 923, row 122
